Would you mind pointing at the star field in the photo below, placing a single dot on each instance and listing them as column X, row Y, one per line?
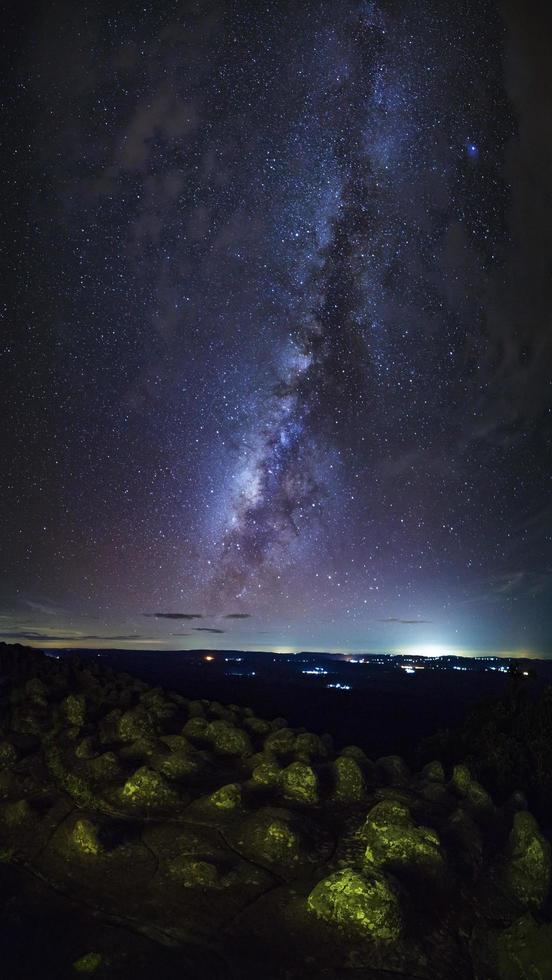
column 277, row 345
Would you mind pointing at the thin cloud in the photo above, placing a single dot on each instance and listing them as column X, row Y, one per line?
column 407, row 622
column 238, row 616
column 164, row 615
column 207, row 629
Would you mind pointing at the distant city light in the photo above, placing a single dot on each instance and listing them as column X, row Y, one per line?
column 208, row 658
column 340, row 687
column 315, row 670
column 429, row 650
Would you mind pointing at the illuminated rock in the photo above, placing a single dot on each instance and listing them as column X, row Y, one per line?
column 267, row 773
column 269, row 836
column 147, row 788
column 193, row 873
column 394, row 841
column 393, row 769
column 16, row 813
column 472, row 791
column 361, row 904
column 281, row 742
column 527, row 873
column 8, row 755
column 135, row 724
column 227, row 797
column 88, row 963
column 226, row 739
column 434, row 772
column 74, row 708
column 300, row 783
column 84, row 837
column 349, row 783
column 309, row 746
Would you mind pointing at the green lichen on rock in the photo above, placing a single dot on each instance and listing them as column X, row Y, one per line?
column 267, row 773
column 523, row 951
column 359, row 904
column 36, row 690
column 228, row 797
column 192, row 873
column 8, row 755
column 88, row 963
column 226, row 739
column 309, row 746
column 74, row 709
column 434, row 772
column 16, row 813
column 196, row 728
column 393, row 769
column 104, row 767
column 269, row 836
column 135, row 724
column 280, row 742
column 257, row 726
column 300, row 783
column 394, row 841
column 179, row 765
column 472, row 791
column 84, row 836
column 148, row 788
column 349, row 784
column 527, row 873
column 86, row 748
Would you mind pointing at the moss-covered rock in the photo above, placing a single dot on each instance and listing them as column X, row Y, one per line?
column 394, row 841
column 8, row 755
column 521, row 952
column 473, row 793
column 300, row 783
column 280, row 742
column 192, row 873
column 87, row 748
column 84, row 837
column 269, row 836
column 527, row 873
column 89, row 963
column 393, row 770
column 227, row 798
column 309, row 746
column 434, row 772
column 267, row 773
column 257, row 726
column 135, row 724
column 148, row 788
column 104, row 767
column 196, row 729
column 348, row 780
column 36, row 690
column 359, row 904
column 74, row 709
column 226, row 739
column 16, row 813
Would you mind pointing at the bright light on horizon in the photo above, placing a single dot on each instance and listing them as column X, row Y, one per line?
column 430, row 650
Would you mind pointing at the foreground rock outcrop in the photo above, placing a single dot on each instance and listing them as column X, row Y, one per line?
column 188, row 838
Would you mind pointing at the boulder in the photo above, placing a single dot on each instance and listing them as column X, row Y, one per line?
column 300, row 783
column 527, row 872
column 348, row 780
column 226, row 739
column 359, row 904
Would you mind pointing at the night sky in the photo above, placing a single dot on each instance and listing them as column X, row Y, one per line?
column 276, row 344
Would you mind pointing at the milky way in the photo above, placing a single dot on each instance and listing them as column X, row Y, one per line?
column 280, row 349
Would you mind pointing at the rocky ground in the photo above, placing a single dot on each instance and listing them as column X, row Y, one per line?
column 143, row 834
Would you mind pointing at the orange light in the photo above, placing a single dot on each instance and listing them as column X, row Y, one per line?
column 208, row 658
